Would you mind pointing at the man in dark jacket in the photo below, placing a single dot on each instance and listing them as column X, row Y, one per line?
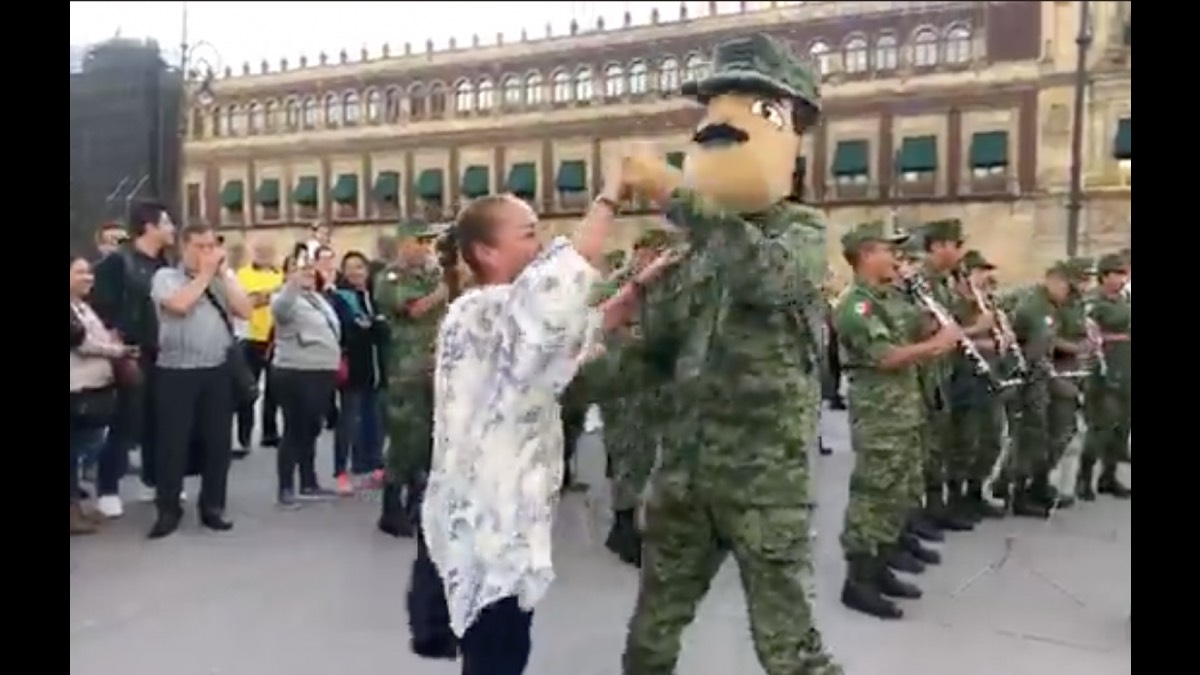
column 121, row 298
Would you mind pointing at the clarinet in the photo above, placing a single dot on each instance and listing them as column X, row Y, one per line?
column 919, row 289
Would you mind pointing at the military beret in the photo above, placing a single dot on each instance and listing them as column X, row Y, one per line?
column 874, row 231
column 949, row 229
column 759, row 64
column 1110, row 263
column 974, row 260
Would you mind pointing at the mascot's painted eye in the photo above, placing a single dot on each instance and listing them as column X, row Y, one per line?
column 770, row 111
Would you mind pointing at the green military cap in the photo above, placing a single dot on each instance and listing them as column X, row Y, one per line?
column 651, row 239
column 1080, row 268
column 1060, row 268
column 1113, row 262
column 421, row 230
column 974, row 260
column 874, row 231
column 1127, row 254
column 615, row 258
column 759, row 64
column 948, row 229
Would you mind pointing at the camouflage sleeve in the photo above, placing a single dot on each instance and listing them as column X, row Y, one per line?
column 1027, row 319
column 1110, row 316
column 662, row 320
column 862, row 334
column 396, row 291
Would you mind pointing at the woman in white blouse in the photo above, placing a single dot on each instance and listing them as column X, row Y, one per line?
column 93, row 392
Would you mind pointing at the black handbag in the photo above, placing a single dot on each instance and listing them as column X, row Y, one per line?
column 242, row 379
column 93, row 408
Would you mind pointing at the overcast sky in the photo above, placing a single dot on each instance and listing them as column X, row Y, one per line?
column 251, row 31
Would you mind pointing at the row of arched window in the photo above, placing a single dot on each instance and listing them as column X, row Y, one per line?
column 857, row 54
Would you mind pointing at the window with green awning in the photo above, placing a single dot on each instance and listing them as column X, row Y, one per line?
column 476, row 182
column 268, row 192
column 522, row 180
column 572, row 177
column 989, row 150
column 345, row 189
column 387, row 187
column 851, row 158
column 233, row 195
column 1123, row 143
column 307, row 191
column 431, row 185
column 675, row 159
column 918, row 154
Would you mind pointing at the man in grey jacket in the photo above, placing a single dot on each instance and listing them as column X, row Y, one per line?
column 304, row 370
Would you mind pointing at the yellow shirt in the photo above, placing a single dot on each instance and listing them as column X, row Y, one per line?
column 255, row 280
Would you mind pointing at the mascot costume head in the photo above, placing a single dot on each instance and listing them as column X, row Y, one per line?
column 759, row 99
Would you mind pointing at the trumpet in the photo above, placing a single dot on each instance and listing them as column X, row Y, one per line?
column 918, row 287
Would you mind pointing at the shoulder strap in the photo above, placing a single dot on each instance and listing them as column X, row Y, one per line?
column 212, row 297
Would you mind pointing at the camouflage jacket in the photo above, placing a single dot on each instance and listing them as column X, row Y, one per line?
column 1071, row 319
column 871, row 322
column 735, row 327
column 1114, row 315
column 413, row 340
column 1035, row 325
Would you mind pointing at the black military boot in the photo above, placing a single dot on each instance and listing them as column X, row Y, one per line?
column 623, row 538
column 1083, row 482
column 901, row 559
column 891, row 586
column 1109, row 485
column 914, row 546
column 936, row 510
column 1002, row 489
column 860, row 591
column 922, row 527
column 1025, row 503
column 959, row 505
column 392, row 519
column 982, row 507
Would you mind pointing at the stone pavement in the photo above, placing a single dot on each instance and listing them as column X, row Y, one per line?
column 319, row 591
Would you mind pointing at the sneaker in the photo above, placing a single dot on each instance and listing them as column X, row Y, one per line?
column 110, row 506
column 373, row 480
column 316, row 493
column 344, row 487
column 287, row 500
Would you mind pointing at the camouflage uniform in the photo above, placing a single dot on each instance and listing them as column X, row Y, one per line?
column 1062, row 416
column 976, row 412
column 1036, row 329
column 887, row 413
column 936, row 377
column 1110, row 396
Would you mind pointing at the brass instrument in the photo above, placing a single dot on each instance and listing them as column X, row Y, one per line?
column 918, row 287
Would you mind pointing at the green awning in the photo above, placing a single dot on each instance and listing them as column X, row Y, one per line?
column 675, row 159
column 989, row 149
column 307, row 192
column 430, row 185
column 233, row 195
column 851, row 158
column 522, row 180
column 345, row 189
column 476, row 182
column 387, row 187
column 917, row 153
column 268, row 192
column 572, row 177
column 1123, row 143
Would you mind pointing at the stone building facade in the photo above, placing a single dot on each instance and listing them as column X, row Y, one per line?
column 932, row 109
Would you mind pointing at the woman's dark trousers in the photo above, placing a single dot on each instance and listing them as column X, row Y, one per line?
column 304, row 397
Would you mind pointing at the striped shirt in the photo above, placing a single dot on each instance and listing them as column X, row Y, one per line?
column 199, row 339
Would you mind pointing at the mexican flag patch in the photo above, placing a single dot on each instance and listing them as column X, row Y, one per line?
column 862, row 308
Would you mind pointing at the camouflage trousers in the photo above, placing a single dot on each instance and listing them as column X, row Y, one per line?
column 886, row 484
column 688, row 536
column 410, row 429
column 936, row 442
column 977, row 422
column 1031, row 454
column 631, row 446
column 1062, row 423
column 1109, row 413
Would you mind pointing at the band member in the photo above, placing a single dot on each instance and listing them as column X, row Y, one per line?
column 876, row 325
column 1036, row 328
column 1110, row 389
column 943, row 244
column 975, row 408
column 1070, row 352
